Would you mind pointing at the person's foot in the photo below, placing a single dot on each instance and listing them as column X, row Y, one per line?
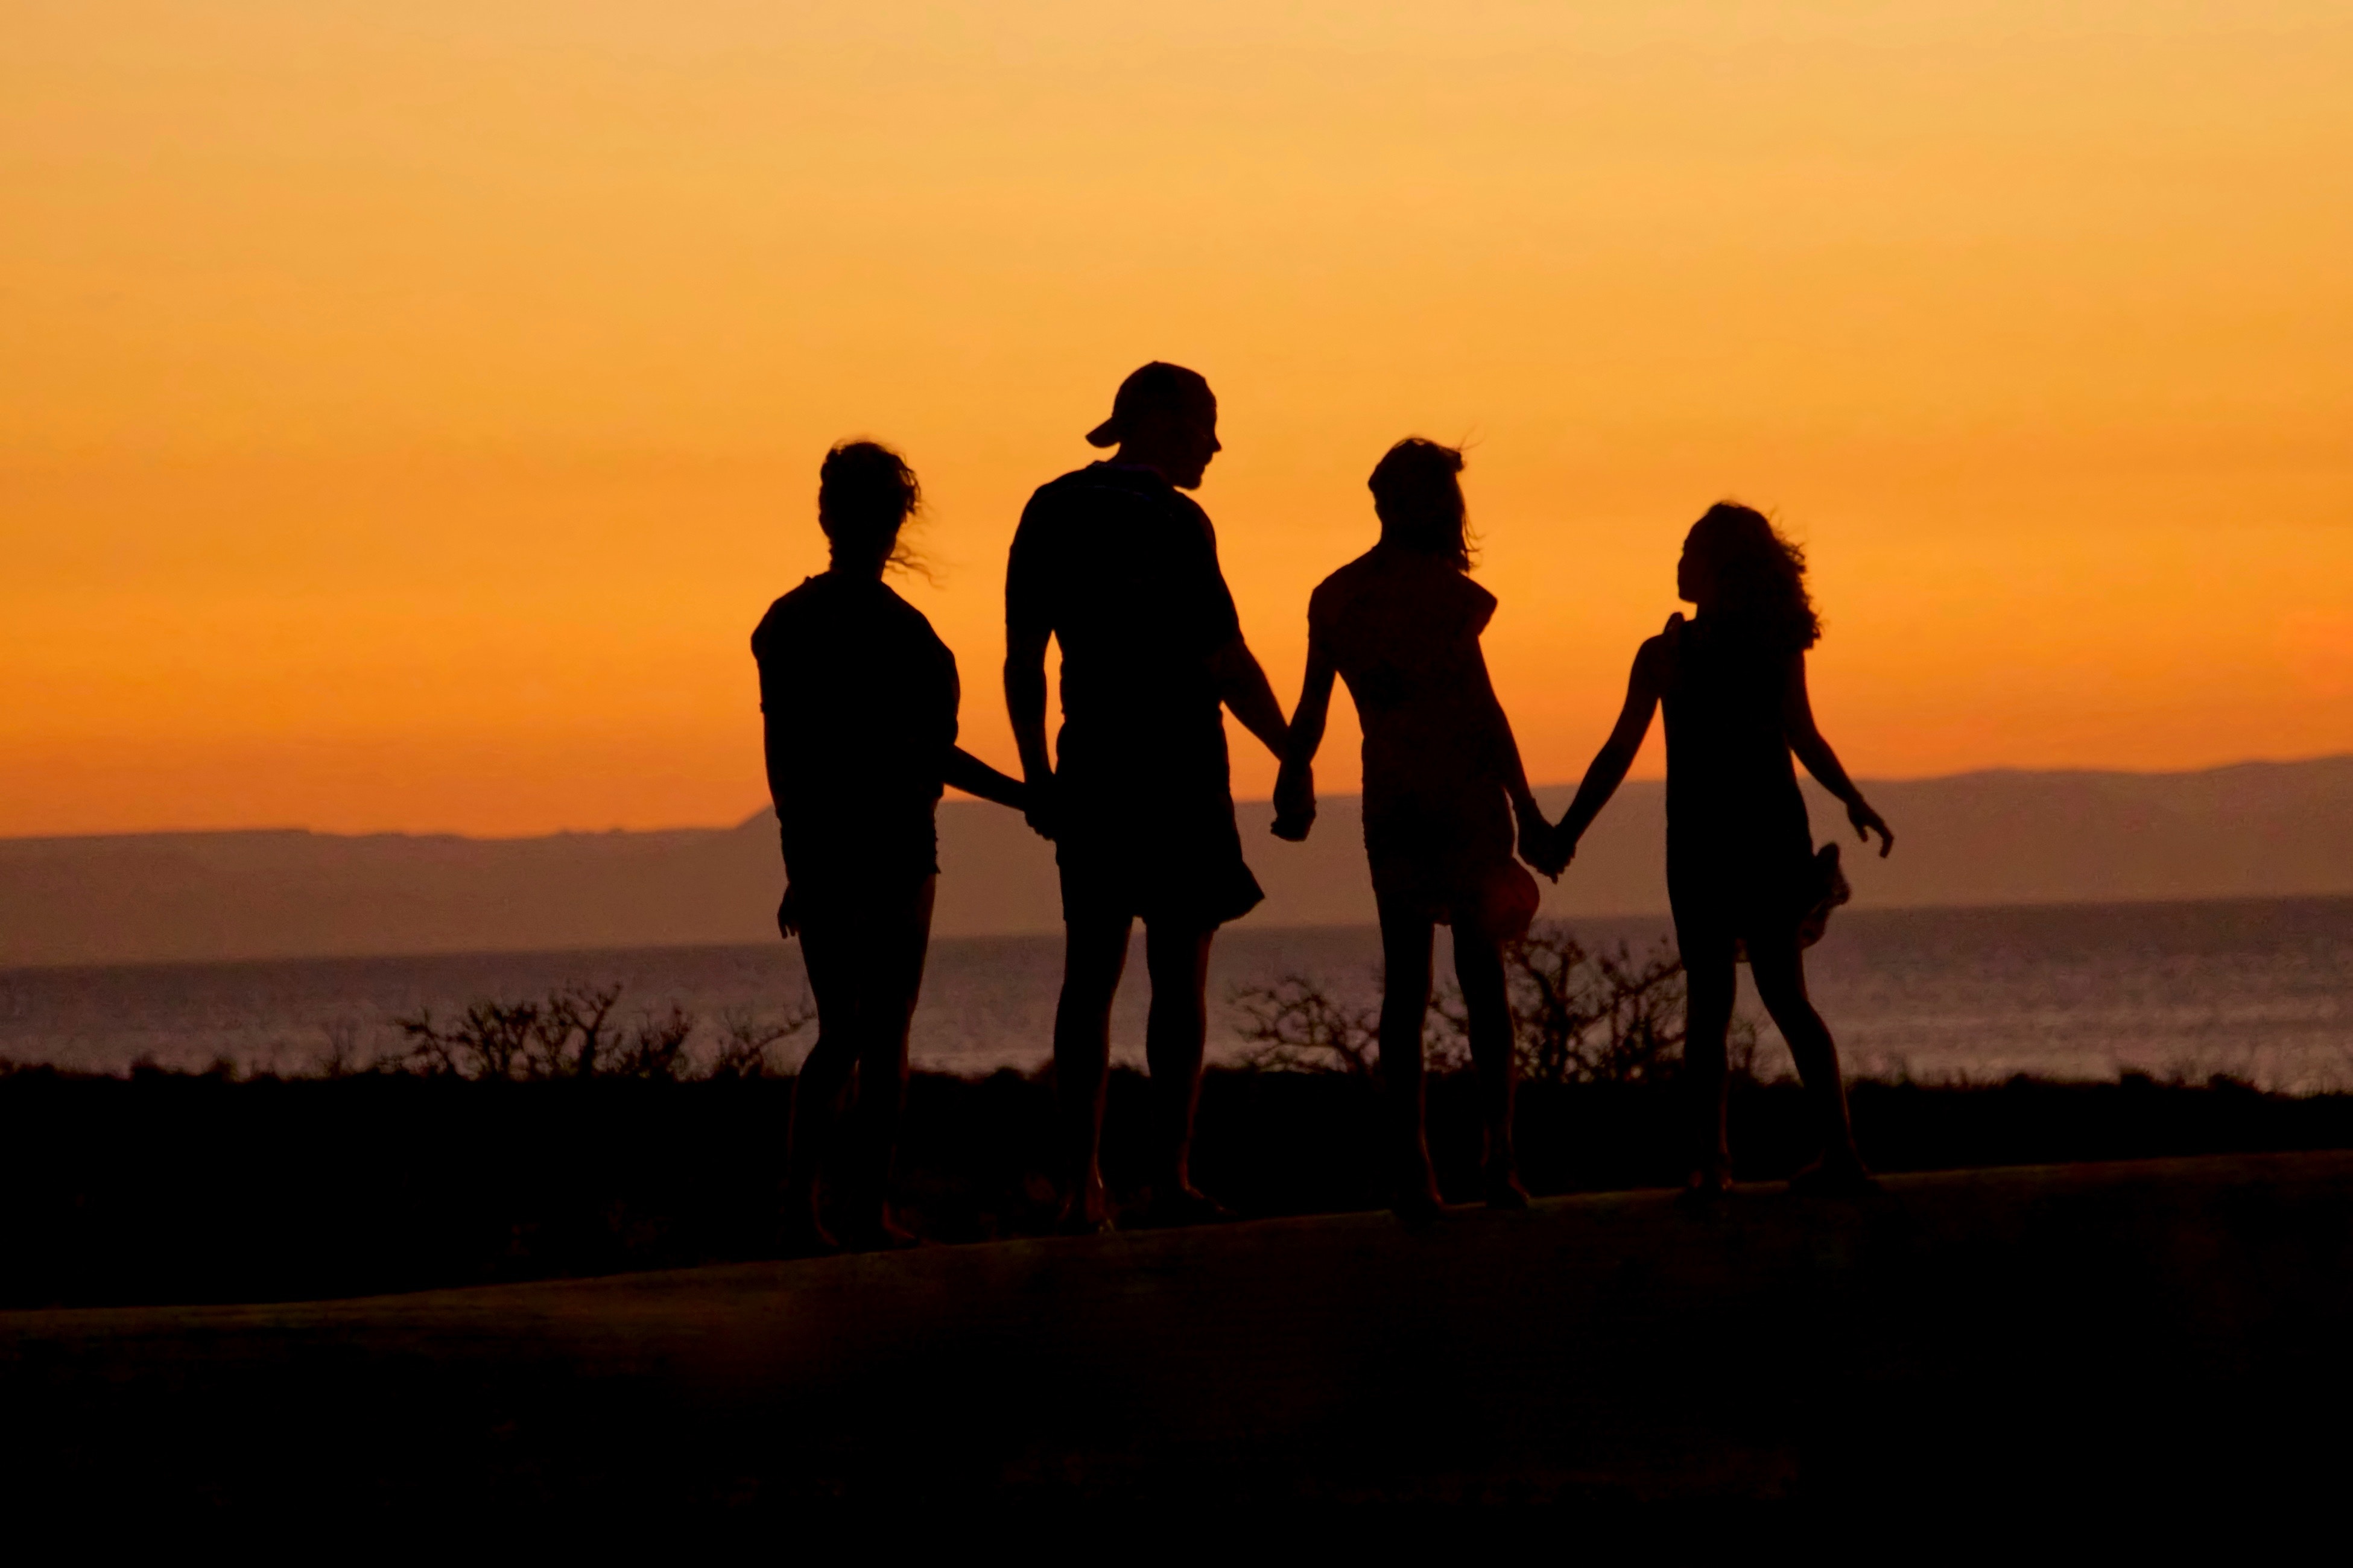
column 1086, row 1211
column 1704, row 1190
column 883, row 1235
column 1185, row 1205
column 1503, row 1189
column 1844, row 1178
column 805, row 1236
column 1416, row 1199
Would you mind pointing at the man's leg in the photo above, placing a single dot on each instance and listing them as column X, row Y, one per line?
column 1094, row 951
column 1175, row 1034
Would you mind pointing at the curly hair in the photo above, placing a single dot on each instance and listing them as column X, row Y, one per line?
column 1419, row 499
column 1759, row 576
column 865, row 494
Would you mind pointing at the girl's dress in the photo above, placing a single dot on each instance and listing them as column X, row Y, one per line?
column 1402, row 627
column 1740, row 859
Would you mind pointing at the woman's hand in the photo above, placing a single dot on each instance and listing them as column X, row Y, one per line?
column 789, row 915
column 1540, row 843
column 1294, row 802
column 1037, row 808
column 1868, row 822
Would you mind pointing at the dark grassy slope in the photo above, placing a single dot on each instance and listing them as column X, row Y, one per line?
column 2136, row 1343
column 172, row 1188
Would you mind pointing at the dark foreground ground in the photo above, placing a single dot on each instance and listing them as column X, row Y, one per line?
column 2132, row 1339
column 177, row 1188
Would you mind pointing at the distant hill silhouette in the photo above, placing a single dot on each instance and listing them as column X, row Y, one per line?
column 1997, row 838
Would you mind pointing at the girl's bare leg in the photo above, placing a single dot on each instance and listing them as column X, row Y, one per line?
column 828, row 952
column 896, row 941
column 1405, row 1000
column 1778, row 967
column 1710, row 982
column 1479, row 968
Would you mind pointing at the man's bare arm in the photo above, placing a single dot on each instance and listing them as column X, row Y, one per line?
column 1243, row 686
column 1024, row 703
column 1294, row 787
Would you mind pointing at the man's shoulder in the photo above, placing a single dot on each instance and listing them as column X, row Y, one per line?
column 1081, row 485
column 1117, row 485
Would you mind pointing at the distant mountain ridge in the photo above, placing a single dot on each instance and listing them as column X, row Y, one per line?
column 2253, row 830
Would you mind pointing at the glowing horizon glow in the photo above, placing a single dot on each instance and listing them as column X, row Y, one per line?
column 410, row 411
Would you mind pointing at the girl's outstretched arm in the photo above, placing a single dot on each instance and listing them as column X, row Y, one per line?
column 1617, row 754
column 1294, row 787
column 970, row 774
column 1536, row 832
column 1806, row 739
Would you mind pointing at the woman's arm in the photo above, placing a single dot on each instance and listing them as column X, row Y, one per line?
column 1294, row 787
column 969, row 773
column 1617, row 754
column 1536, row 832
column 1806, row 739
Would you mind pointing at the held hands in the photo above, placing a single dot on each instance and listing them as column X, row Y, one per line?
column 1038, row 809
column 1541, row 845
column 1868, row 822
column 789, row 915
column 1294, row 802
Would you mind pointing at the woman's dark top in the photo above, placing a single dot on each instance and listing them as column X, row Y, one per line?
column 1402, row 628
column 1121, row 569
column 1739, row 848
column 859, row 696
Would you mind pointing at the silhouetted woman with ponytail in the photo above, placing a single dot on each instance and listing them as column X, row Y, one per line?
column 1742, row 873
column 1443, row 785
column 859, row 702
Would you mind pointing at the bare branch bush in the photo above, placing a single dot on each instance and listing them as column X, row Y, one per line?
column 656, row 1047
column 1579, row 1015
column 573, row 1033
column 1588, row 1016
column 746, row 1038
column 1294, row 1027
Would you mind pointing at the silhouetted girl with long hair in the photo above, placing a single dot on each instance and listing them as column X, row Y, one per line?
column 859, row 702
column 1741, row 867
column 1400, row 624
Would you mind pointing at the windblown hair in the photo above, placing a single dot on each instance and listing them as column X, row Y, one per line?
column 1419, row 499
column 1758, row 577
column 865, row 494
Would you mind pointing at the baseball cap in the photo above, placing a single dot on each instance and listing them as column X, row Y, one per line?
column 1156, row 388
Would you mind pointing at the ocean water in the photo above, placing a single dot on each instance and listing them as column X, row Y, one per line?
column 2258, row 989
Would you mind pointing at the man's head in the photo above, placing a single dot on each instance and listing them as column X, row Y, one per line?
column 1165, row 417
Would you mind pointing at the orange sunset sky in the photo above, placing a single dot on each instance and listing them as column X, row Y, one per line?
column 407, row 410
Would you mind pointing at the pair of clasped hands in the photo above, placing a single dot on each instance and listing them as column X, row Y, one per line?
column 1541, row 845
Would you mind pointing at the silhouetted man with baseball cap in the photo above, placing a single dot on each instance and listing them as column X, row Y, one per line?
column 1122, row 569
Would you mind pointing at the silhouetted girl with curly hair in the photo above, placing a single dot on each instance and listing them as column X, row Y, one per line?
column 1742, row 873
